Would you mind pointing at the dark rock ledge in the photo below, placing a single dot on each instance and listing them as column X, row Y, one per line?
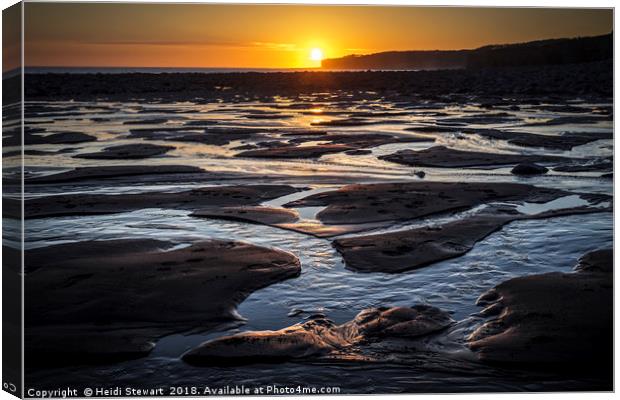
column 105, row 301
column 552, row 321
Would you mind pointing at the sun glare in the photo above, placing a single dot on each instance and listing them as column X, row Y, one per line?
column 316, row 54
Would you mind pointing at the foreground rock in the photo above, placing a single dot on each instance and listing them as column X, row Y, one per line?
column 320, row 338
column 127, row 152
column 94, row 204
column 102, row 301
column 444, row 157
column 416, row 248
column 554, row 320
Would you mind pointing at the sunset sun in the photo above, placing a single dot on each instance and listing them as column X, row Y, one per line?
column 316, row 54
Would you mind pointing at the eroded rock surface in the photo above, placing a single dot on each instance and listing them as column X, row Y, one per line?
column 322, row 338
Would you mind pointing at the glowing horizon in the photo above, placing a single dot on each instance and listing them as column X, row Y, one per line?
column 276, row 36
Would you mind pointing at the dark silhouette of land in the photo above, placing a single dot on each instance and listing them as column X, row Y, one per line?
column 541, row 52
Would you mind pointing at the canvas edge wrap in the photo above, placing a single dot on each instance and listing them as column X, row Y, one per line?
column 12, row 233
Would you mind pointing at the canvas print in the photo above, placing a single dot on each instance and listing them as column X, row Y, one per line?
column 227, row 199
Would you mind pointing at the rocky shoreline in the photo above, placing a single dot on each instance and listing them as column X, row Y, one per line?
column 238, row 225
column 589, row 79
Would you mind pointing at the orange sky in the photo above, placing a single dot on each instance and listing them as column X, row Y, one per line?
column 272, row 36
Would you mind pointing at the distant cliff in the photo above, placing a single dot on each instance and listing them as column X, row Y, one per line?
column 541, row 52
column 401, row 60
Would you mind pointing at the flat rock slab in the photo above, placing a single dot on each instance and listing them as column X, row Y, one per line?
column 566, row 141
column 127, row 152
column 355, row 122
column 374, row 139
column 268, row 116
column 606, row 165
column 321, row 339
column 216, row 136
column 482, row 119
column 444, row 157
column 415, row 248
column 555, row 320
column 99, row 301
column 278, row 217
column 358, row 152
column 304, row 132
column 419, row 247
column 33, row 152
column 367, row 203
column 93, row 204
column 355, row 208
column 335, row 143
column 58, row 138
column 105, row 172
column 146, row 121
column 573, row 119
column 260, row 215
column 296, row 151
column 432, row 129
